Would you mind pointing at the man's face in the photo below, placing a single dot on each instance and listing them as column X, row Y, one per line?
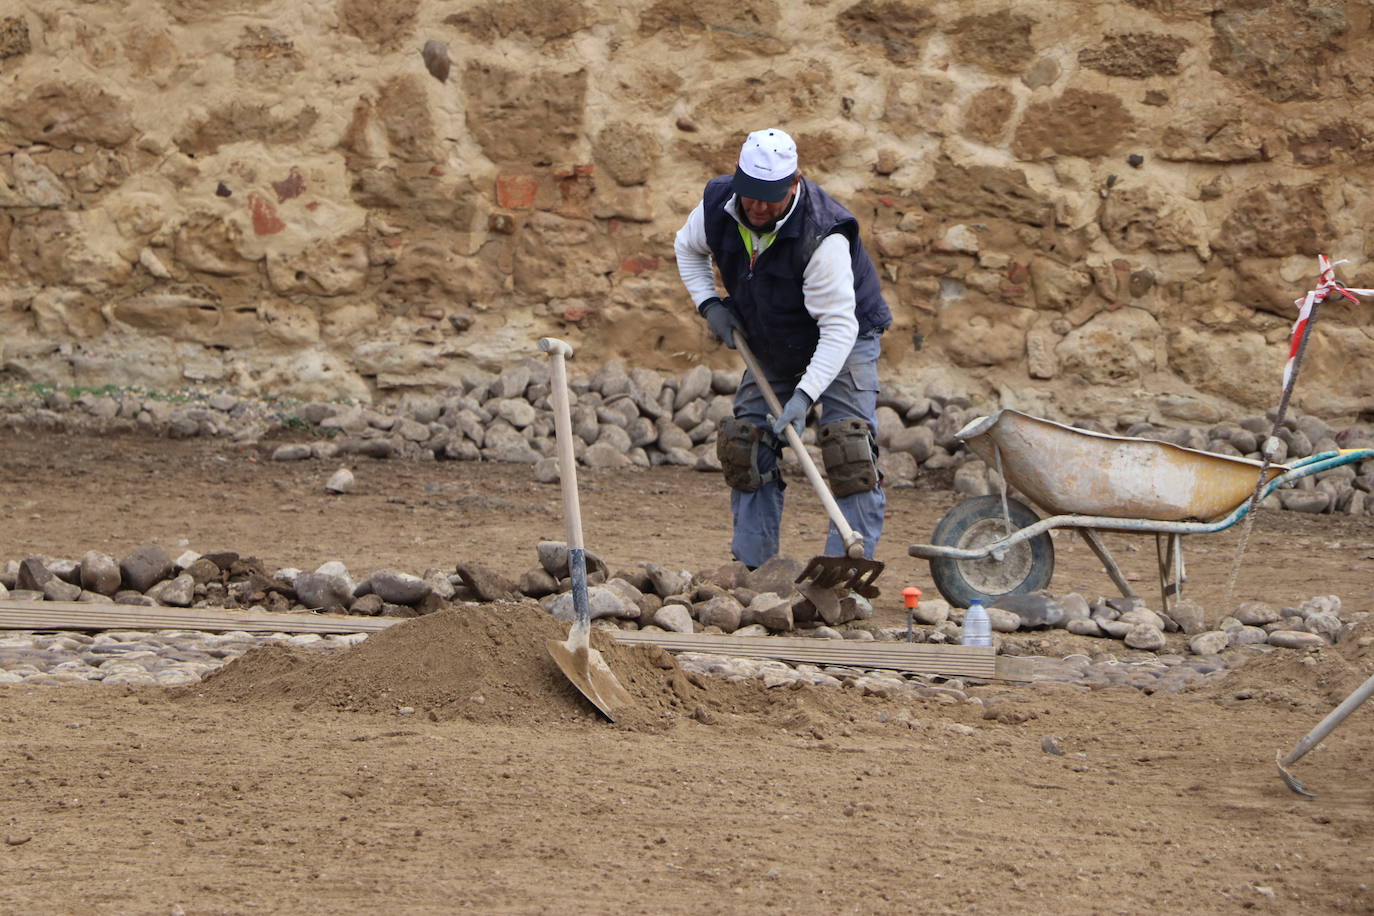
column 761, row 215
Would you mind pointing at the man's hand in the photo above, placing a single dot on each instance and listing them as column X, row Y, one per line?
column 723, row 321
column 793, row 413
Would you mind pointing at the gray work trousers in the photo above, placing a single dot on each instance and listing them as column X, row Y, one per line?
column 758, row 515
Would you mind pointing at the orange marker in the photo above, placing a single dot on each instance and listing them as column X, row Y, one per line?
column 911, row 595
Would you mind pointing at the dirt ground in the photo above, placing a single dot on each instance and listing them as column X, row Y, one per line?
column 292, row 782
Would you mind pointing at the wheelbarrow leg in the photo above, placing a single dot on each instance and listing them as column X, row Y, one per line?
column 1169, row 554
column 1094, row 540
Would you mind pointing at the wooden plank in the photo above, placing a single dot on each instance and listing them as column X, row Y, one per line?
column 1014, row 668
column 921, row 658
column 79, row 615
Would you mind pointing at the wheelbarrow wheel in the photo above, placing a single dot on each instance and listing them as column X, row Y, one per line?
column 975, row 523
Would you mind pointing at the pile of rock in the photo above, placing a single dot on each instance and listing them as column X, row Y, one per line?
column 730, row 599
column 149, row 577
column 640, row 417
column 1317, row 622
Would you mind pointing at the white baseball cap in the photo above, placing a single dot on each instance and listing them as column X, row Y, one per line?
column 767, row 165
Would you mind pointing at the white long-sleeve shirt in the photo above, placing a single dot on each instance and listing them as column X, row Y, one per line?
column 827, row 285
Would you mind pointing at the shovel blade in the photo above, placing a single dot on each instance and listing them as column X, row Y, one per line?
column 591, row 675
column 843, row 572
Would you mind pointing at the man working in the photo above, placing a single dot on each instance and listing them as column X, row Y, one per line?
column 806, row 296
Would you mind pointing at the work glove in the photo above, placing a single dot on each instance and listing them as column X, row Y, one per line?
column 723, row 321
column 793, row 413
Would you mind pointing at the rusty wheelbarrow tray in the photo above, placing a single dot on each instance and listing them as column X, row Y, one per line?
column 990, row 546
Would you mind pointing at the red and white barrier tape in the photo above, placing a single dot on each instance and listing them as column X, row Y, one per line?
column 1326, row 286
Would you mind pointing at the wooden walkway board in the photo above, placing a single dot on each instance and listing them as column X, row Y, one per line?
column 924, row 658
column 77, row 615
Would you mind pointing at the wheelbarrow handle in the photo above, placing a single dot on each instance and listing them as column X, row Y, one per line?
column 854, row 545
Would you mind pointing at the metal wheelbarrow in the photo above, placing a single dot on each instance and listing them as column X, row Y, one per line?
column 990, row 546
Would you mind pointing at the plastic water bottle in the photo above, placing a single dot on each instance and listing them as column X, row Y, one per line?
column 977, row 630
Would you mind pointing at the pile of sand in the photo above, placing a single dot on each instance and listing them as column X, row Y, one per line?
column 486, row 663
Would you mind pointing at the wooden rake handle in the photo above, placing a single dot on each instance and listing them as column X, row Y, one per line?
column 854, row 544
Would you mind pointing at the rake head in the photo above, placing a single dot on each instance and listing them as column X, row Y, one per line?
column 842, row 572
column 1290, row 780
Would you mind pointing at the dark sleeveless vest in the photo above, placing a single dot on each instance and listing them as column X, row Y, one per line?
column 768, row 297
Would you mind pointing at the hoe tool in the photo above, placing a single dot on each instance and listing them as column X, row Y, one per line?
column 1324, row 728
column 823, row 575
column 583, row 665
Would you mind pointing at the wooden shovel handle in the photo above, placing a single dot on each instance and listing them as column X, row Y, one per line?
column 854, row 545
column 562, row 422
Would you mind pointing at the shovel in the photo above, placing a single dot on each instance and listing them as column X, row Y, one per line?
column 1324, row 728
column 821, row 577
column 582, row 664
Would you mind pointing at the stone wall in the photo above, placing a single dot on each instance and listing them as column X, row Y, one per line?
column 1081, row 209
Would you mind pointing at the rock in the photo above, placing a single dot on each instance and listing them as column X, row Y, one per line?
column 971, row 479
column 931, row 611
column 1328, row 604
column 178, row 592
column 771, row 610
column 57, row 590
column 916, row 441
column 1313, row 502
column 1084, row 626
column 536, row 583
column 1256, row 613
column 398, row 587
column 724, row 612
column 695, row 384
column 439, row 584
column 340, row 482
column 1034, row 610
column 1145, row 637
column 367, row 606
column 824, row 632
column 203, row 570
column 601, row 602
column 325, row 589
column 1114, row 628
column 777, row 575
column 33, row 575
column 296, row 451
column 1075, row 607
column 145, row 567
column 99, row 573
column 1003, row 621
column 1209, row 643
column 728, row 576
column 1296, row 639
column 1190, row 617
column 553, row 557
column 665, row 582
column 546, row 471
column 674, row 618
column 487, row 584
column 1144, row 616
column 1328, row 626
column 1247, row 636
column 633, row 595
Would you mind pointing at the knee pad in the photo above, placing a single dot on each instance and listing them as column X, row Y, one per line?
column 737, row 445
column 849, row 453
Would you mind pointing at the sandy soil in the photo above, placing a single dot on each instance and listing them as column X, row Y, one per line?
column 292, row 782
